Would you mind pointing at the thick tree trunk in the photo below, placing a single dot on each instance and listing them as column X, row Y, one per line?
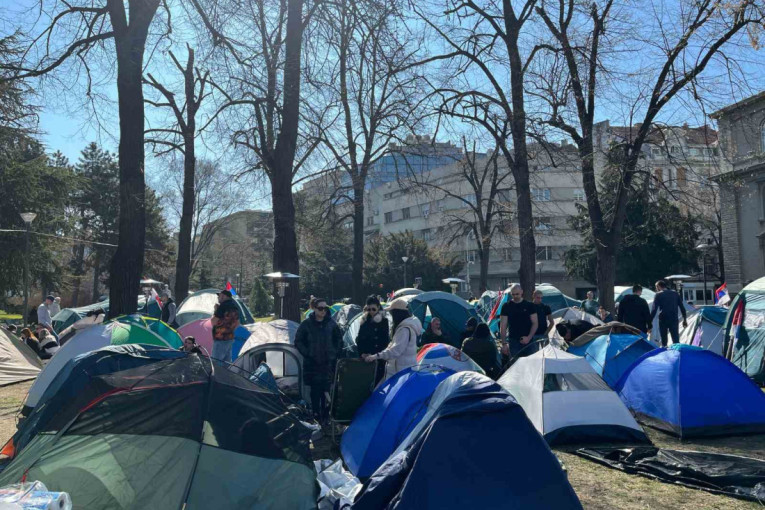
column 183, row 262
column 96, row 277
column 606, row 272
column 357, row 269
column 127, row 262
column 285, row 256
column 483, row 281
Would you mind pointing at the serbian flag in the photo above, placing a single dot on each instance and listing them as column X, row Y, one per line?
column 230, row 288
column 155, row 297
column 738, row 320
column 722, row 297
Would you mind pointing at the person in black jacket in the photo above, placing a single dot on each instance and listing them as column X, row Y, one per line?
column 374, row 333
column 470, row 326
column 319, row 340
column 168, row 309
column 633, row 311
column 482, row 349
column 433, row 334
column 667, row 302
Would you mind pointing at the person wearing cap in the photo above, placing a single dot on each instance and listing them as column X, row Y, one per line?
column 470, row 326
column 168, row 309
column 402, row 351
column 224, row 321
column 43, row 312
column 319, row 340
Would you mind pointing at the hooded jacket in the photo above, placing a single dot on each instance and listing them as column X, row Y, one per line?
column 402, row 351
column 319, row 343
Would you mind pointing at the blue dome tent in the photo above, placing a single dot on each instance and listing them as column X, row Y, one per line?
column 611, row 355
column 453, row 459
column 386, row 418
column 450, row 308
column 688, row 391
column 745, row 331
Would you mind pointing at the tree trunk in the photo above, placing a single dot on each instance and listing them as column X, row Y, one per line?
column 183, row 262
column 127, row 262
column 606, row 272
column 285, row 256
column 357, row 269
column 96, row 277
column 483, row 282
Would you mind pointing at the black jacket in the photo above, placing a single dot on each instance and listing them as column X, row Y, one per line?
column 373, row 336
column 633, row 310
column 165, row 316
column 484, row 352
column 667, row 303
column 319, row 343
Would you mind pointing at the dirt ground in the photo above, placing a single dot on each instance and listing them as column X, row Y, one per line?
column 598, row 487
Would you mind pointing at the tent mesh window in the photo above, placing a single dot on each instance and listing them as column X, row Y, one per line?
column 574, row 382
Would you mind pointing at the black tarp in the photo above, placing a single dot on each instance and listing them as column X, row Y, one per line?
column 731, row 475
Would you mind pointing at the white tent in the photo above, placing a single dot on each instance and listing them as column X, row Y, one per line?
column 704, row 330
column 274, row 343
column 567, row 401
column 17, row 361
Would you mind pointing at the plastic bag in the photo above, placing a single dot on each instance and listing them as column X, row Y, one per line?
column 336, row 484
column 33, row 496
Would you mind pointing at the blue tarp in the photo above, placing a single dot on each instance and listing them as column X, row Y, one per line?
column 387, row 417
column 453, row 311
column 241, row 334
column 692, row 392
column 714, row 314
column 477, row 450
column 611, row 355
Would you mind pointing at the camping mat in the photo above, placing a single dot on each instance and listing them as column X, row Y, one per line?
column 731, row 475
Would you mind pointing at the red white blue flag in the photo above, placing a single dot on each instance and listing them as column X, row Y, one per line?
column 722, row 297
column 230, row 288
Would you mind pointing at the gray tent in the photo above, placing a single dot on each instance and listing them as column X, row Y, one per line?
column 17, row 361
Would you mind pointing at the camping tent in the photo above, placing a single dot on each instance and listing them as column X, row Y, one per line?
column 745, row 331
column 407, row 291
column 90, row 320
column 567, row 401
column 345, row 315
column 486, row 303
column 453, row 458
column 612, row 354
column 551, row 296
column 387, row 417
column 17, row 361
column 706, row 329
column 201, row 305
column 450, row 308
column 69, row 316
column 688, row 391
column 569, row 314
column 622, row 290
column 274, row 343
column 128, row 329
column 168, row 431
column 447, row 356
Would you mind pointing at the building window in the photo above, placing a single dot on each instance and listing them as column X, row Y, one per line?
column 441, row 204
column 388, row 217
column 681, row 178
column 543, row 224
column 427, row 235
column 656, row 152
column 348, row 225
column 471, row 255
column 507, row 254
column 544, row 253
column 578, row 195
column 405, row 213
column 540, row 194
column 370, row 221
column 425, row 210
column 470, row 199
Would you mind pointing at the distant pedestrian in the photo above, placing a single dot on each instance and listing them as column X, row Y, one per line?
column 319, row 341
column 433, row 334
column 224, row 322
column 402, row 351
column 633, row 311
column 545, row 321
column 667, row 302
column 43, row 312
column 55, row 307
column 517, row 323
column 168, row 309
column 374, row 333
column 482, row 349
column 604, row 314
column 590, row 305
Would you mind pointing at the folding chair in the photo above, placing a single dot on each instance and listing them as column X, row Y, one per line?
column 354, row 383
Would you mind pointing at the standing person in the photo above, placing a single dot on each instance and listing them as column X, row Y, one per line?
column 667, row 302
column 545, row 321
column 374, row 333
column 470, row 326
column 633, row 311
column 517, row 323
column 224, row 322
column 55, row 307
column 43, row 312
column 168, row 309
column 482, row 349
column 319, row 340
column 433, row 334
column 402, row 351
column 590, row 305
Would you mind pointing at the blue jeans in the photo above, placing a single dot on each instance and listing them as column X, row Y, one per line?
column 222, row 350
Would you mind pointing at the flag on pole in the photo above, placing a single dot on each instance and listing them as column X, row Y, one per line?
column 738, row 320
column 230, row 288
column 494, row 309
column 155, row 297
column 722, row 297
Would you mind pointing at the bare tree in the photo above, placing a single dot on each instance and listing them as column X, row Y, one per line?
column 480, row 186
column 181, row 137
column 485, row 54
column 74, row 29
column 371, row 96
column 685, row 45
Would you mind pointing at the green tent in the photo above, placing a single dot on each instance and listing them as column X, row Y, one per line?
column 69, row 316
column 745, row 331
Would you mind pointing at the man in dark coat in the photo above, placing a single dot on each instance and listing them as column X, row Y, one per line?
column 667, row 302
column 633, row 310
column 374, row 333
column 482, row 349
column 319, row 340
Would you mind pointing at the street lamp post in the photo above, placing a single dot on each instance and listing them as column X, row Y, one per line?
column 332, row 284
column 539, row 265
column 28, row 218
column 405, row 259
column 704, row 247
column 281, row 281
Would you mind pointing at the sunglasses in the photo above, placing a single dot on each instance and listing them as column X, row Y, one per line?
column 322, row 308
column 370, row 310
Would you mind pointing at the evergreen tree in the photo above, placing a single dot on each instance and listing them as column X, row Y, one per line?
column 261, row 302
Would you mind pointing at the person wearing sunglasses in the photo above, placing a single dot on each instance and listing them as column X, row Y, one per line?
column 319, row 340
column 374, row 333
column 402, row 351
